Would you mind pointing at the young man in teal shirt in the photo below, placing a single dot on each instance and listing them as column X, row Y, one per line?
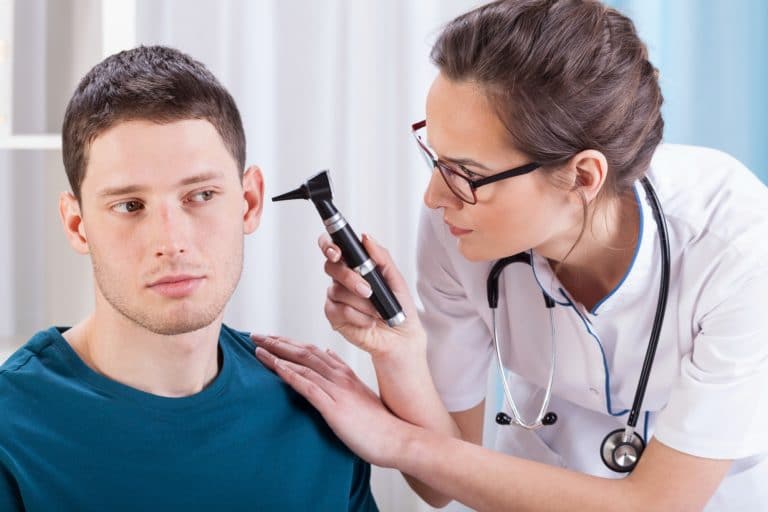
column 151, row 403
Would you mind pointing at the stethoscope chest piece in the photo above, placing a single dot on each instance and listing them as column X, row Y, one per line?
column 622, row 448
column 621, row 454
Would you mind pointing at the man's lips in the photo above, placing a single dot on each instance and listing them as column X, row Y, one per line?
column 176, row 286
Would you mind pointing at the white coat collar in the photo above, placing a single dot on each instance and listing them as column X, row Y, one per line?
column 633, row 281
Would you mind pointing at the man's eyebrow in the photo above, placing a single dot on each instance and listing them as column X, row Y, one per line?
column 118, row 191
column 206, row 176
column 132, row 189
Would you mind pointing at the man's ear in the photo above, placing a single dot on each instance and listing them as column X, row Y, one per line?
column 72, row 220
column 253, row 198
column 588, row 171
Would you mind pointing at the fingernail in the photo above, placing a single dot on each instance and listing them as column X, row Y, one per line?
column 363, row 290
column 369, row 237
column 257, row 338
column 331, row 253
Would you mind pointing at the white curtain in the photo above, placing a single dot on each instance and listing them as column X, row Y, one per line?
column 320, row 84
column 328, row 84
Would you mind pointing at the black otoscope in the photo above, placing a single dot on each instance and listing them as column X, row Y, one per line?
column 318, row 190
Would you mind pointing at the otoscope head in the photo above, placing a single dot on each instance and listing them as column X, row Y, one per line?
column 317, row 188
column 300, row 193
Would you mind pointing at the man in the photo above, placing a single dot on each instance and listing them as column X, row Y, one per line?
column 151, row 403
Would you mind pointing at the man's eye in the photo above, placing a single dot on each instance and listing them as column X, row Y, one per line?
column 128, row 206
column 201, row 197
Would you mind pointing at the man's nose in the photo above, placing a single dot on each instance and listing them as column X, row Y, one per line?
column 170, row 228
column 438, row 195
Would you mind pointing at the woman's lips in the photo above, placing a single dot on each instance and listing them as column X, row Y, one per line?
column 177, row 288
column 457, row 231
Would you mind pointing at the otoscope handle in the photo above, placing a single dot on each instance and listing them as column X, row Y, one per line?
column 384, row 300
column 357, row 259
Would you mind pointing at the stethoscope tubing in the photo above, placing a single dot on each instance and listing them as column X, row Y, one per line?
column 517, row 417
column 661, row 304
column 628, row 434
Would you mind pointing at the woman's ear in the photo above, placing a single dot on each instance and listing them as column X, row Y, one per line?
column 253, row 198
column 589, row 170
column 72, row 221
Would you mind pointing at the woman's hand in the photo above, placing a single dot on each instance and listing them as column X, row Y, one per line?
column 352, row 314
column 352, row 410
column 399, row 353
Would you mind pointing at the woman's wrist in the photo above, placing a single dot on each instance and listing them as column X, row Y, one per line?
column 415, row 448
column 407, row 389
column 402, row 353
column 406, row 444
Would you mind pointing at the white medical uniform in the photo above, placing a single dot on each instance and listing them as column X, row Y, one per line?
column 708, row 390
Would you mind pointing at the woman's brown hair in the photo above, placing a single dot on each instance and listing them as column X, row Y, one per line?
column 564, row 76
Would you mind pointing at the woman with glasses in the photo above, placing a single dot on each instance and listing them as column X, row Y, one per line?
column 631, row 330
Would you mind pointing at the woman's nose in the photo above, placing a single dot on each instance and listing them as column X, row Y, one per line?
column 438, row 195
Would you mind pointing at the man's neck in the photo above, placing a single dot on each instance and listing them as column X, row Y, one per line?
column 170, row 366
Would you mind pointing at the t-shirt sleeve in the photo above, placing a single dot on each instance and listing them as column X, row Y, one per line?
column 10, row 499
column 459, row 341
column 719, row 406
column 360, row 497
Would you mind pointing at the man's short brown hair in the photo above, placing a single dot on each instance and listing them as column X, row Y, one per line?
column 153, row 83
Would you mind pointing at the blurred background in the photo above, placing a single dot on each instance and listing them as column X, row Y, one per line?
column 320, row 84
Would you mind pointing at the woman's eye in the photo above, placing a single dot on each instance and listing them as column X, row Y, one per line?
column 469, row 174
column 128, row 206
column 201, row 197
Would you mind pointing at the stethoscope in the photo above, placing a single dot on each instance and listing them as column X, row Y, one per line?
column 622, row 448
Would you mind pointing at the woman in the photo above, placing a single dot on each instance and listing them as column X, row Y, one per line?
column 544, row 132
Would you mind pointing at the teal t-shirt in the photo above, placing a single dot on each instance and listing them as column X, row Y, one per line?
column 72, row 439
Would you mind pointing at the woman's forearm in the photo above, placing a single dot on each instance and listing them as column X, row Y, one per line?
column 487, row 480
column 665, row 479
column 407, row 388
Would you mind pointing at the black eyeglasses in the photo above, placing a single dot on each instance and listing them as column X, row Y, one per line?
column 461, row 185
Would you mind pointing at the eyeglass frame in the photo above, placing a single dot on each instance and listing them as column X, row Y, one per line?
column 473, row 184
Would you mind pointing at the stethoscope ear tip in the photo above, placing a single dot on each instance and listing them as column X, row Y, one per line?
column 549, row 419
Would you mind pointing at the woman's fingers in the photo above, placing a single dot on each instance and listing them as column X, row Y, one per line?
column 340, row 314
column 303, row 380
column 339, row 272
column 329, row 249
column 305, row 355
column 339, row 293
column 388, row 269
column 333, row 355
column 347, row 277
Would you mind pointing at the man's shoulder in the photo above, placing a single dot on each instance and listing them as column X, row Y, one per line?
column 24, row 378
column 289, row 413
column 240, row 338
column 252, row 378
column 26, row 360
column 252, row 381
